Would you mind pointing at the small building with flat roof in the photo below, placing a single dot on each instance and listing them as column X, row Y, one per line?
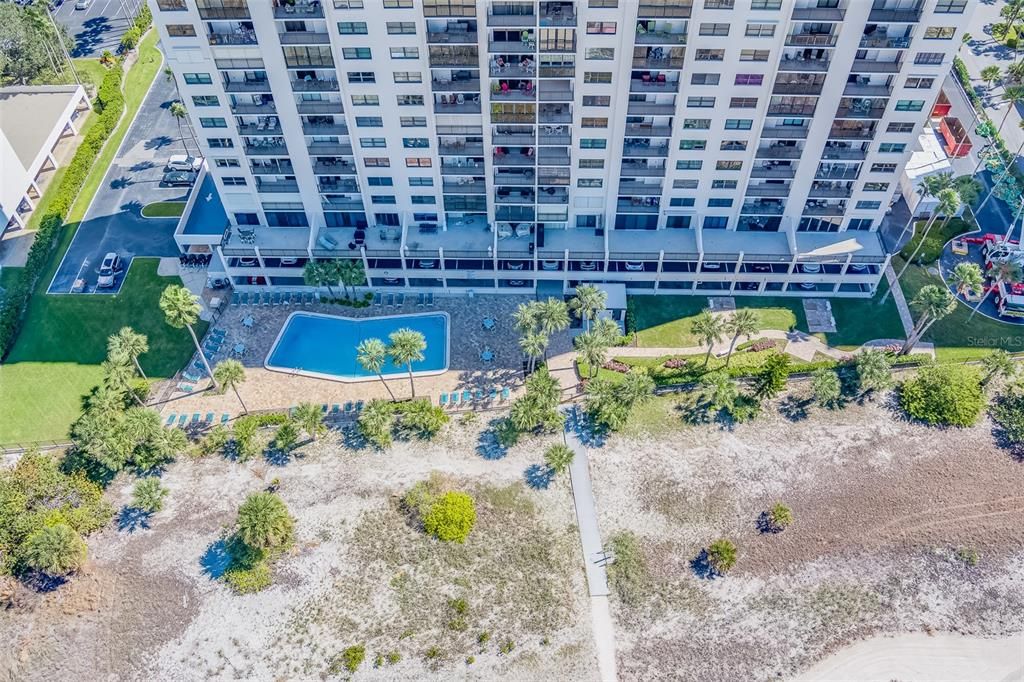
column 34, row 119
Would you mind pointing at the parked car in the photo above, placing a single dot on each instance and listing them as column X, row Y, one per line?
column 549, row 265
column 426, row 264
column 83, row 4
column 811, row 268
column 634, row 266
column 858, row 267
column 183, row 162
column 179, row 179
column 588, row 265
column 109, row 270
column 515, row 265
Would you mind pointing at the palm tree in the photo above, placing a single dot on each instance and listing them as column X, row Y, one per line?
column 231, row 374
column 967, row 279
column 264, row 521
column 588, row 302
column 118, row 375
column 406, row 347
column 181, row 310
column 1011, row 96
column 371, row 355
column 311, row 418
column 534, row 345
column 318, row 274
column 930, row 186
column 743, row 322
column 949, row 202
column 998, row 363
column 148, row 495
column 1002, row 271
column 991, row 75
column 129, row 344
column 180, row 113
column 637, row 387
column 553, row 316
column 608, row 329
column 709, row 329
column 1015, row 72
column 592, row 349
column 1002, row 176
column 933, row 302
column 55, row 550
column 558, row 457
column 525, row 317
column 351, row 274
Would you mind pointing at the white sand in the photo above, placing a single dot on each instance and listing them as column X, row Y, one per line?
column 918, row 656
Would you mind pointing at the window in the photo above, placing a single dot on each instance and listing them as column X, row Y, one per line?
column 593, row 122
column 379, row 181
column 303, row 57
column 422, row 199
column 860, row 224
column 233, row 181
column 348, row 4
column 950, row 6
column 685, row 184
column 682, row 202
column 919, row 83
column 171, row 5
column 593, row 143
column 696, row 123
column 197, row 78
column 883, row 168
column 605, row 4
column 719, row 203
column 929, row 58
column 733, row 146
column 596, row 100
column 714, row 29
column 754, row 55
column 765, row 4
column 678, row 222
column 365, row 100
column 749, row 79
column 705, row 78
column 739, row 123
column 601, row 53
column 413, row 121
column 421, row 182
column 719, row 4
column 591, row 163
column 361, row 77
column 876, row 186
column 383, row 199
column 716, row 222
column 398, row 4
column 181, row 30
column 408, row 77
column 723, row 184
column 597, row 77
column 939, row 32
column 693, row 145
column 377, row 162
column 892, row 148
column 868, row 205
column 449, row 8
column 371, row 142
column 909, row 105
column 405, row 53
column 601, row 27
column 743, row 103
column 213, row 122
column 418, row 162
column 710, row 55
column 352, row 28
column 689, row 164
column 728, row 165
column 401, row 27
column 590, row 182
column 220, row 142
column 900, row 127
column 205, row 100
column 287, row 219
column 700, row 102
column 369, row 122
column 760, row 30
column 226, row 163
column 247, row 218
column 409, row 100
column 415, row 143
column 586, row 221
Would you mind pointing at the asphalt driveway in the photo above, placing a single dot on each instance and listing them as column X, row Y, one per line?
column 114, row 221
column 98, row 28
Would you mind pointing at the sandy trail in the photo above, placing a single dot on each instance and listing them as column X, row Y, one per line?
column 917, row 656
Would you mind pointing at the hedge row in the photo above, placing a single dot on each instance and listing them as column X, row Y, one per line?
column 1006, row 156
column 131, row 37
column 109, row 105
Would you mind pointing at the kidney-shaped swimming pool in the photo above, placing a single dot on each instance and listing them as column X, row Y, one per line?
column 324, row 346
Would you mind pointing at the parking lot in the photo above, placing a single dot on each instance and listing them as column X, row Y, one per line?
column 114, row 221
column 97, row 28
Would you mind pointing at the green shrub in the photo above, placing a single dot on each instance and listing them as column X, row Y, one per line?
column 483, row 638
column 780, row 516
column 506, row 647
column 771, row 378
column 248, row 580
column 353, row 657
column 1008, row 412
column 286, row 437
column 451, row 517
column 721, row 555
column 55, row 550
column 130, row 39
column 944, row 394
column 246, row 431
column 214, row 441
column 422, row 419
column 376, row 422
column 628, row 574
column 969, row 556
column 393, row 657
column 149, row 495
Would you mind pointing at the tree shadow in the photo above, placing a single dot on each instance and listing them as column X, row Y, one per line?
column 158, row 142
column 1003, row 442
column 141, row 166
column 41, row 582
column 765, row 526
column 579, row 423
column 278, row 457
column 131, row 519
column 352, row 439
column 216, row 559
column 134, row 207
column 538, row 476
column 488, row 446
column 701, row 566
column 123, row 182
column 167, row 104
column 794, row 409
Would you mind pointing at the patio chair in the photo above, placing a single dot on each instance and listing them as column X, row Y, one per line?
column 478, row 395
column 224, row 418
column 335, row 408
column 324, row 408
column 505, row 393
column 241, row 299
column 430, row 299
column 389, row 301
column 266, row 298
column 192, row 377
column 195, row 418
column 455, row 399
column 185, row 388
column 359, row 406
column 276, row 299
column 494, row 393
column 442, row 401
column 182, row 420
column 467, row 396
column 170, row 419
column 209, row 417
column 420, row 300
column 399, row 300
column 377, row 299
column 236, row 298
column 348, row 407
column 286, row 298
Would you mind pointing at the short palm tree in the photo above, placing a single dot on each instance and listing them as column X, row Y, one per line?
column 129, row 344
column 525, row 317
column 929, row 187
column 406, row 347
column 1005, row 271
column 264, row 522
column 311, row 418
column 553, row 316
column 933, row 302
column 998, row 363
column 991, row 75
column 1012, row 95
column 587, row 303
column 967, row 279
column 372, row 354
column 743, row 322
column 1003, row 175
column 558, row 457
column 317, row 274
column 709, row 329
column 118, row 375
column 351, row 274
column 533, row 345
column 231, row 374
column 181, row 310
column 592, row 349
column 54, row 550
column 637, row 387
column 148, row 495
column 949, row 204
column 180, row 114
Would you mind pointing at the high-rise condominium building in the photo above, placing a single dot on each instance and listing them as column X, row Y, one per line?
column 688, row 146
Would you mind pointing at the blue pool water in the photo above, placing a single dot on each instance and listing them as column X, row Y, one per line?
column 325, row 346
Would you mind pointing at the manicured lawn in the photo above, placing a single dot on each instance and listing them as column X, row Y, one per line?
column 163, row 209
column 937, row 238
column 91, row 72
column 859, row 320
column 56, row 358
column 665, row 321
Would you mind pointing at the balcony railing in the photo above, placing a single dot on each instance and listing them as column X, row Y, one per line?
column 677, row 10
column 315, row 85
column 785, row 132
column 884, row 42
column 824, row 209
column 768, row 190
column 648, row 130
column 875, row 66
column 452, row 37
column 472, row 84
column 867, row 90
column 653, row 85
column 254, row 129
column 465, row 168
column 512, row 19
column 818, row 14
column 336, row 168
column 247, row 86
column 797, row 88
column 860, row 112
column 852, row 133
column 830, row 192
column 780, row 172
column 243, row 38
column 511, row 46
column 899, row 16
column 653, row 108
column 547, row 156
column 644, row 150
column 324, row 128
column 469, row 187
column 277, row 186
column 278, row 169
column 645, row 189
column 788, row 63
column 461, row 148
column 320, row 107
column 555, row 94
column 780, row 152
column 304, row 38
column 324, row 148
column 660, row 38
column 657, row 63
column 299, row 10
column 277, row 149
column 636, row 205
column 456, row 107
column 757, row 208
column 811, row 40
column 265, row 108
column 512, row 138
column 843, row 154
column 630, row 170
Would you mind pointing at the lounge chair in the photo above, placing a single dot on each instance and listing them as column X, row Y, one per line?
column 348, row 407
column 170, row 420
column 192, row 377
column 505, row 393
column 224, row 418
column 494, row 393
column 275, row 299
column 266, row 298
column 196, row 417
column 389, row 301
column 400, row 300
column 236, row 298
column 209, row 417
column 430, row 300
column 307, row 299
column 359, row 406
column 442, row 401
column 455, row 399
column 185, row 388
column 467, row 396
column 377, row 299
column 244, row 298
column 420, row 300
column 286, row 299
column 324, row 408
column 335, row 408
column 478, row 395
column 182, row 420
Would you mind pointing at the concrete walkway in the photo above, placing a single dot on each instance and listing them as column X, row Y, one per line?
column 901, row 301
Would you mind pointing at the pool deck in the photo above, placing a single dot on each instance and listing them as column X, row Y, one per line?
column 273, row 390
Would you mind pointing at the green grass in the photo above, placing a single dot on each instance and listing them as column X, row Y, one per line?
column 666, row 321
column 937, row 238
column 163, row 209
column 91, row 72
column 56, row 359
column 9, row 277
column 859, row 320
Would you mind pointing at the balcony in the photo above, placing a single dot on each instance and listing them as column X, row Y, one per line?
column 637, row 170
column 456, row 56
column 504, row 196
column 658, row 63
column 247, row 86
column 277, row 186
column 811, row 40
column 513, row 137
column 657, row 84
column 462, row 168
column 553, row 156
column 791, row 110
column 875, row 66
column 304, row 38
column 240, row 38
column 638, row 205
column 558, row 135
column 444, row 105
column 678, row 10
column 514, row 159
column 512, row 46
column 831, row 14
column 552, row 114
column 844, row 154
column 467, row 187
column 884, row 43
column 256, row 129
column 828, row 173
column 650, row 108
column 300, row 10
column 660, row 38
column 860, row 112
column 445, row 85
column 273, row 169
column 645, row 150
column 763, row 208
column 332, row 148
column 784, row 132
column 265, row 108
column 321, row 107
column 207, row 13
column 820, row 208
column 513, row 93
column 324, row 128
column 797, row 88
column 328, row 186
column 555, row 94
column 452, row 37
column 334, row 168
column 799, row 63
column 867, row 90
column 461, row 148
column 768, row 189
column 266, row 148
column 831, row 192
column 778, row 152
column 780, row 172
column 315, row 85
column 899, row 16
column 852, row 133
column 513, row 20
column 642, row 189
column 518, row 178
column 552, row 195
column 342, row 204
column 648, row 130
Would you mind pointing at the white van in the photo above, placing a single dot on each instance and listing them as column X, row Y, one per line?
column 183, row 162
